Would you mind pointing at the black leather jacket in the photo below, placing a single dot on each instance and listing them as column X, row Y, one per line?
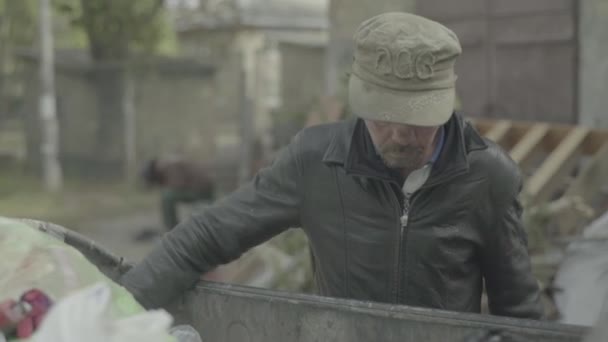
column 464, row 226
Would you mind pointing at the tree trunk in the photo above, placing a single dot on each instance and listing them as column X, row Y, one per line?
column 130, row 131
column 110, row 91
column 111, row 25
column 4, row 53
column 246, row 130
column 48, row 119
column 108, row 46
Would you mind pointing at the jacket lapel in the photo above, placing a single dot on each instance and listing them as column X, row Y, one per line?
column 345, row 150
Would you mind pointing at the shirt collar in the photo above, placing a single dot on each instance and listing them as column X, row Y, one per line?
column 372, row 162
column 439, row 146
column 347, row 148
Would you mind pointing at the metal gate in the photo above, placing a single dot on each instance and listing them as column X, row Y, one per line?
column 519, row 56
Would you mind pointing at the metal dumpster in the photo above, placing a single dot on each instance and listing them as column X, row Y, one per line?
column 229, row 313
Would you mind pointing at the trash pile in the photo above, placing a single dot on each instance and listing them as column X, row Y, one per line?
column 581, row 282
column 50, row 292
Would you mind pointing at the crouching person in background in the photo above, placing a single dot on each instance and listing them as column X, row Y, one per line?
column 181, row 181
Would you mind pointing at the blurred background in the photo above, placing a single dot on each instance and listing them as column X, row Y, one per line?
column 90, row 90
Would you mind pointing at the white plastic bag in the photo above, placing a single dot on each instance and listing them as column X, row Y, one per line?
column 84, row 316
column 185, row 333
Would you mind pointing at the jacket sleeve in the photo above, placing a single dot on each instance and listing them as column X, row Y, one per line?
column 511, row 287
column 257, row 211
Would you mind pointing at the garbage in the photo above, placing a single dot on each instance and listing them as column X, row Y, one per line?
column 22, row 317
column 86, row 316
column 185, row 333
column 34, row 263
column 599, row 333
column 581, row 282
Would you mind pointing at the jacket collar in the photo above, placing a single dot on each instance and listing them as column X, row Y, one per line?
column 349, row 148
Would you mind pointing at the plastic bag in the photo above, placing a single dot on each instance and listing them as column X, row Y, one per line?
column 84, row 316
column 30, row 259
column 185, row 333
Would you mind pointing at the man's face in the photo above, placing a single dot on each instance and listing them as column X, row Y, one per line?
column 402, row 146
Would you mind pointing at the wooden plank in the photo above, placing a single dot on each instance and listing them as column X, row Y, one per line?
column 595, row 141
column 499, row 131
column 558, row 164
column 482, row 126
column 528, row 143
column 555, row 136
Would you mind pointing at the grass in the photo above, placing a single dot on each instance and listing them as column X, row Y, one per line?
column 24, row 196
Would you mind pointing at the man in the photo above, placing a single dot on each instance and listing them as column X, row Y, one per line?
column 406, row 203
column 182, row 181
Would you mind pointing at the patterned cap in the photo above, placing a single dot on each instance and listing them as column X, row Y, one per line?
column 403, row 70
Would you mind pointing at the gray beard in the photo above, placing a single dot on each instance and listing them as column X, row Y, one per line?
column 405, row 169
column 411, row 164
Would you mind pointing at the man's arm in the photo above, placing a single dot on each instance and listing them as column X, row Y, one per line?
column 512, row 289
column 253, row 214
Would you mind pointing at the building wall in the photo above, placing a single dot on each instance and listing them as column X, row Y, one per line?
column 302, row 77
column 302, row 82
column 345, row 16
column 219, row 48
column 76, row 113
column 211, row 46
column 253, row 64
column 259, row 82
column 175, row 113
column 593, row 63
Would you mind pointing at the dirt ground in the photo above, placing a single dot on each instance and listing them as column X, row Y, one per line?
column 120, row 234
column 113, row 215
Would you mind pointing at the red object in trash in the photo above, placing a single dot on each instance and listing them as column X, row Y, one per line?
column 11, row 313
column 23, row 317
column 40, row 304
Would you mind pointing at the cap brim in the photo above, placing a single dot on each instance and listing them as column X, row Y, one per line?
column 417, row 108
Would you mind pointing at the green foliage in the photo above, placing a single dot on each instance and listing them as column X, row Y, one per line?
column 19, row 25
column 536, row 220
column 299, row 277
column 17, row 22
column 17, row 29
column 116, row 29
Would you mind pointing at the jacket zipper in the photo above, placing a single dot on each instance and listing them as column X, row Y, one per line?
column 397, row 274
column 413, row 183
column 404, row 213
column 403, row 221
